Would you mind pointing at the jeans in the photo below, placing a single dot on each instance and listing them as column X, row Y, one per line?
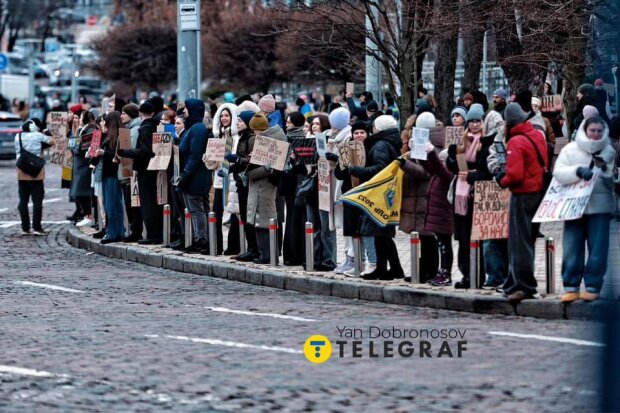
column 198, row 206
column 371, row 252
column 591, row 231
column 324, row 239
column 36, row 190
column 521, row 242
column 114, row 208
column 495, row 260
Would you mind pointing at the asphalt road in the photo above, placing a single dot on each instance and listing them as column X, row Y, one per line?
column 122, row 337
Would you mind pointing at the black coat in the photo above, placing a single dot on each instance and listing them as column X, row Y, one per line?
column 143, row 152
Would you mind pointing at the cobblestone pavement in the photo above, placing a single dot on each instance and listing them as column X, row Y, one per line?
column 125, row 337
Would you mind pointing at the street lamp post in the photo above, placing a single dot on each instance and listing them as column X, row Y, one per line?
column 188, row 49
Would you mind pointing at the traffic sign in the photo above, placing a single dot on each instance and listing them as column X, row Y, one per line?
column 4, row 61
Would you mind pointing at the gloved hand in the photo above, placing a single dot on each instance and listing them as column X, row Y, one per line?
column 331, row 156
column 268, row 167
column 231, row 157
column 600, row 162
column 585, row 173
column 401, row 160
column 452, row 151
column 221, row 174
column 121, row 152
column 429, row 147
column 498, row 178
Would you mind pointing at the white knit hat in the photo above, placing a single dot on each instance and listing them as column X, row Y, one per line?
column 339, row 118
column 384, row 122
column 425, row 120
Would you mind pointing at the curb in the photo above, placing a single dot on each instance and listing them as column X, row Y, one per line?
column 389, row 294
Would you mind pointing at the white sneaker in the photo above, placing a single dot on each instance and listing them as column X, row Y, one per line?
column 351, row 272
column 346, row 265
column 85, row 222
column 25, row 233
column 369, row 268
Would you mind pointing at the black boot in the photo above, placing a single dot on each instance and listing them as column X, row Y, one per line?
column 396, row 273
column 377, row 274
column 463, row 284
column 248, row 256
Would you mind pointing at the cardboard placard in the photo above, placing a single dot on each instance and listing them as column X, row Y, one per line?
column 57, row 155
column 321, row 144
column 162, row 187
column 177, row 164
column 565, row 202
column 349, row 87
column 67, row 161
column 95, row 144
column 552, row 103
column 419, row 138
column 454, row 136
column 124, row 142
column 57, row 126
column 269, row 151
column 304, row 150
column 135, row 193
column 352, row 153
column 162, row 148
column 491, row 206
column 324, row 185
column 216, row 149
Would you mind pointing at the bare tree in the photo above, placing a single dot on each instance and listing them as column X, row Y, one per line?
column 445, row 60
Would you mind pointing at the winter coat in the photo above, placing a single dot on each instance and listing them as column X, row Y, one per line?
column 263, row 187
column 33, row 142
column 415, row 197
column 381, row 149
column 439, row 217
column 81, row 178
column 481, row 172
column 580, row 153
column 244, row 148
column 524, row 174
column 195, row 178
column 143, row 152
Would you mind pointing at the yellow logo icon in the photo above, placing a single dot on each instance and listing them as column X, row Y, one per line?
column 318, row 349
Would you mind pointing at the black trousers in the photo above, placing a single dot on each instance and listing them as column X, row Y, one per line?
column 26, row 190
column 218, row 208
column 83, row 203
column 429, row 264
column 293, row 248
column 152, row 214
column 250, row 232
column 262, row 240
column 386, row 253
column 134, row 215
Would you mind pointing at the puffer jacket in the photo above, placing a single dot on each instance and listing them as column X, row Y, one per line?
column 33, row 142
column 195, row 178
column 524, row 174
column 439, row 217
column 580, row 153
column 415, row 197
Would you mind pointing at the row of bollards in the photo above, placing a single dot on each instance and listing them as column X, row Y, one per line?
column 475, row 247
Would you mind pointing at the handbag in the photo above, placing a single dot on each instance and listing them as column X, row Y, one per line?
column 306, row 188
column 28, row 162
column 547, row 174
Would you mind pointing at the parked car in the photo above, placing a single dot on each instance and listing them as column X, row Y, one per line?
column 10, row 125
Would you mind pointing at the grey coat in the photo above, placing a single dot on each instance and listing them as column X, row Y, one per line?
column 80, row 180
column 263, row 188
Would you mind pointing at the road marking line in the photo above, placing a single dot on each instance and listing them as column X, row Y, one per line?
column 548, row 338
column 9, row 224
column 50, row 286
column 286, row 317
column 28, row 372
column 48, row 201
column 227, row 343
column 3, row 210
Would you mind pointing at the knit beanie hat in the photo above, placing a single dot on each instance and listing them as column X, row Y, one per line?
column 586, row 90
column 501, row 92
column 339, row 118
column 259, row 122
column 359, row 125
column 372, row 106
column 246, row 117
column 425, row 120
column 459, row 110
column 422, row 105
column 475, row 112
column 524, row 99
column 385, row 122
column 536, row 101
column 297, row 119
column 75, row 109
column 147, row 108
column 589, row 111
column 598, row 82
column 514, row 115
column 132, row 110
column 247, row 105
column 267, row 104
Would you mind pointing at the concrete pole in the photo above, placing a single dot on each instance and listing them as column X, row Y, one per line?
column 374, row 73
column 189, row 75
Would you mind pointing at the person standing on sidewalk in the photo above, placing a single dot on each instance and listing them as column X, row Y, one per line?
column 33, row 141
column 591, row 149
column 130, row 116
column 195, row 179
column 524, row 177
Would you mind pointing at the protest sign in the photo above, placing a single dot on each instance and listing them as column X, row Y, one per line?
column 419, row 138
column 162, row 187
column 379, row 198
column 57, row 126
column 67, row 160
column 135, row 193
column 324, row 185
column 216, row 149
column 58, row 151
column 95, row 144
column 124, row 142
column 565, row 202
column 269, row 151
column 321, row 144
column 491, row 206
column 552, row 103
column 162, row 148
column 304, row 150
column 454, row 136
column 176, row 159
column 349, row 86
column 352, row 153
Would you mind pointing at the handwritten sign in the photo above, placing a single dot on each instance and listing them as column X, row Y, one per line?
column 552, row 103
column 216, row 149
column 269, row 151
column 324, row 185
column 135, row 193
column 419, row 138
column 162, row 187
column 304, row 150
column 162, row 147
column 349, row 86
column 321, row 144
column 454, row 136
column 124, row 142
column 176, row 159
column 352, row 153
column 67, row 161
column 491, row 206
column 57, row 126
column 95, row 144
column 565, row 202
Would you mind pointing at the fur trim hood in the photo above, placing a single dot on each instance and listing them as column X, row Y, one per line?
column 233, row 119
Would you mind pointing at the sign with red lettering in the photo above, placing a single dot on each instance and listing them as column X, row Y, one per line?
column 491, row 205
column 565, row 202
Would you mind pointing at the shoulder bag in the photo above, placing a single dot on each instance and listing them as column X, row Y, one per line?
column 28, row 162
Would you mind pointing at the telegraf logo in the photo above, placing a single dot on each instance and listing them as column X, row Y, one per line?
column 392, row 342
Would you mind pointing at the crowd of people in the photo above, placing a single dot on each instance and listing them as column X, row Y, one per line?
column 437, row 194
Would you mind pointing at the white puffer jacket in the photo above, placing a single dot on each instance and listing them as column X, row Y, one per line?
column 579, row 153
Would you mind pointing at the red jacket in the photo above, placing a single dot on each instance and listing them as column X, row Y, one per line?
column 524, row 174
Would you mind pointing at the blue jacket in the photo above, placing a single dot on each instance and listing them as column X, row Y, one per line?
column 195, row 177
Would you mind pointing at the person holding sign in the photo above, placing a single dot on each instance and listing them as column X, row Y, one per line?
column 524, row 177
column 81, row 177
column 130, row 116
column 591, row 149
column 152, row 213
